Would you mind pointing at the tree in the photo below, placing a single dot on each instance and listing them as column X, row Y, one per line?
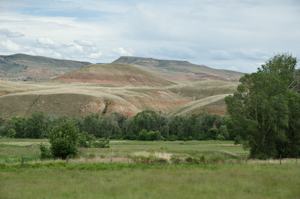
column 63, row 140
column 284, row 65
column 260, row 110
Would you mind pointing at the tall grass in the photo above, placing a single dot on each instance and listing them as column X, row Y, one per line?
column 153, row 181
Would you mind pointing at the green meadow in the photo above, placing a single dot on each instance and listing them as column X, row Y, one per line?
column 129, row 169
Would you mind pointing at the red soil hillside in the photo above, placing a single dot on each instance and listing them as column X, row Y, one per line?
column 115, row 74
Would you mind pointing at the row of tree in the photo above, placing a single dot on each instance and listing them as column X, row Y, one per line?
column 203, row 126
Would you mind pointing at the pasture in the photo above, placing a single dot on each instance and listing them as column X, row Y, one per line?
column 120, row 172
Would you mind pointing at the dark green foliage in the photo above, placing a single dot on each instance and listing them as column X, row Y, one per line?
column 102, row 143
column 172, row 138
column 63, row 140
column 175, row 160
column 45, row 152
column 220, row 137
column 264, row 112
column 86, row 140
column 142, row 135
column 11, row 133
column 153, row 135
column 117, row 126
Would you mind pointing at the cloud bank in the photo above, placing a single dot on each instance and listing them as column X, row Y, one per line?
column 231, row 34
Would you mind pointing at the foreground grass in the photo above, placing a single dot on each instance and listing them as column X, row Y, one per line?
column 120, row 180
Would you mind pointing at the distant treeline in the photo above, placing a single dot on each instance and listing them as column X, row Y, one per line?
column 146, row 125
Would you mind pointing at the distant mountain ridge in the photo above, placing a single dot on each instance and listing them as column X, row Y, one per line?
column 35, row 68
column 179, row 71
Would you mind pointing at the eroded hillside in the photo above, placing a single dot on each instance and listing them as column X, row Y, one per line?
column 180, row 71
column 113, row 74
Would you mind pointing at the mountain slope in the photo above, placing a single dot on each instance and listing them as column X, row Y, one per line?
column 197, row 106
column 180, row 71
column 21, row 67
column 114, row 74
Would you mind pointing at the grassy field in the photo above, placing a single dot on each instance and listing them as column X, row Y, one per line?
column 92, row 175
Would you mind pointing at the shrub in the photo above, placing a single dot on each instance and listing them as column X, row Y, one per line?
column 63, row 140
column 237, row 140
column 202, row 158
column 12, row 133
column 184, row 139
column 175, row 160
column 45, row 152
column 220, row 137
column 142, row 135
column 189, row 159
column 190, row 138
column 102, row 143
column 86, row 140
column 153, row 135
column 172, row 137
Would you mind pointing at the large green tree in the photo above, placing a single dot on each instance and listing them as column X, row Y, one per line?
column 262, row 110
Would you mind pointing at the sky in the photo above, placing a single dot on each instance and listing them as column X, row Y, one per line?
column 237, row 35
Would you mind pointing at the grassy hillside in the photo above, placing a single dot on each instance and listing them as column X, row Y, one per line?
column 180, row 71
column 54, row 98
column 115, row 74
column 60, row 98
column 35, row 68
column 215, row 104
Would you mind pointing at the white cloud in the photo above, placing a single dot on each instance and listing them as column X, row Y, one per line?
column 8, row 33
column 95, row 55
column 176, row 51
column 10, row 46
column 121, row 51
column 85, row 43
column 46, row 42
column 216, row 33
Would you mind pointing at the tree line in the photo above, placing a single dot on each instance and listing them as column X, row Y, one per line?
column 146, row 125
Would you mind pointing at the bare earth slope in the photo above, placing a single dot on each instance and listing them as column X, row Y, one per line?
column 114, row 74
column 21, row 67
column 179, row 71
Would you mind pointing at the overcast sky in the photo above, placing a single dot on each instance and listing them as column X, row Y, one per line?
column 231, row 34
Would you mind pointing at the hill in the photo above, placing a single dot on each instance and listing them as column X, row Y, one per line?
column 180, row 71
column 60, row 98
column 113, row 74
column 21, row 67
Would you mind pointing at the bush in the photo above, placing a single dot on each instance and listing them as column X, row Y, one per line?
column 190, row 138
column 191, row 160
column 175, row 160
column 184, row 139
column 172, row 137
column 202, row 159
column 63, row 140
column 12, row 133
column 220, row 137
column 102, row 143
column 237, row 140
column 142, row 135
column 86, row 140
column 45, row 152
column 153, row 135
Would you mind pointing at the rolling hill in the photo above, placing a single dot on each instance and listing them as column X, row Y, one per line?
column 59, row 98
column 21, row 67
column 116, row 87
column 180, row 71
column 113, row 74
